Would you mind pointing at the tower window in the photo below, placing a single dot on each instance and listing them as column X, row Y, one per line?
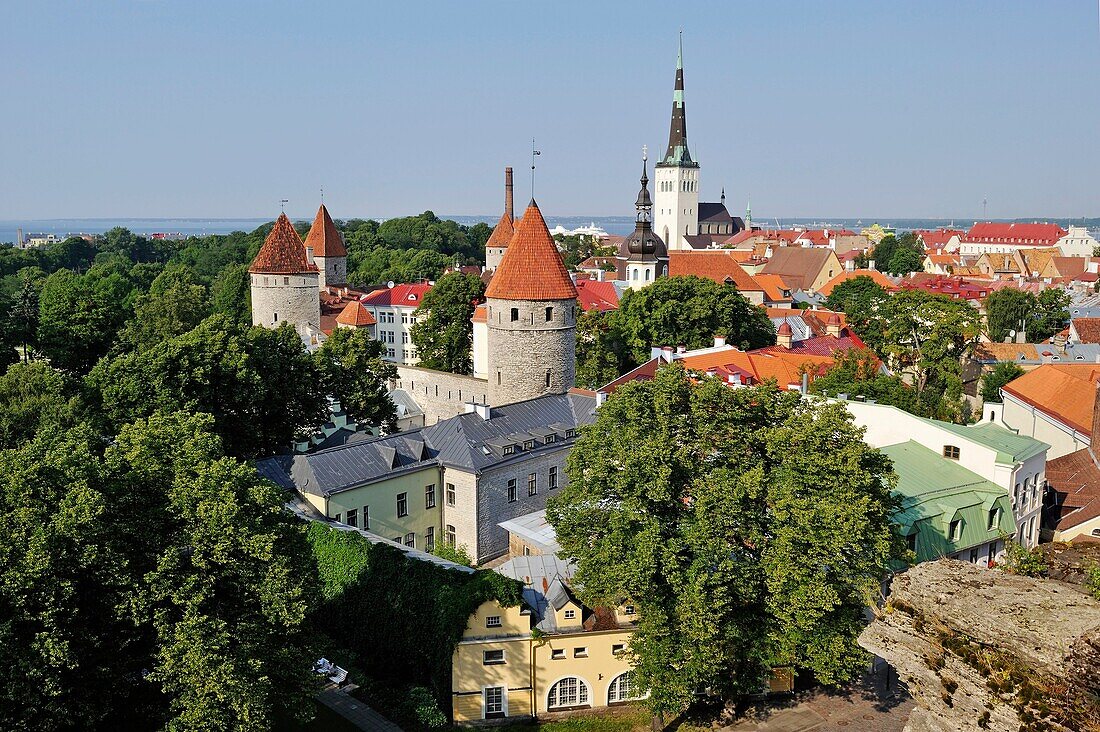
column 274, row 317
column 547, row 378
column 515, row 314
column 549, row 314
column 286, row 280
column 498, row 377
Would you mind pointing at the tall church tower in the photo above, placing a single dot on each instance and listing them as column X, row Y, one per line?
column 284, row 282
column 676, row 199
column 325, row 248
column 531, row 317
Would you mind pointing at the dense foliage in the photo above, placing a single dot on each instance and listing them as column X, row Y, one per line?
column 1010, row 311
column 750, row 530
column 899, row 255
column 443, row 334
column 1001, row 374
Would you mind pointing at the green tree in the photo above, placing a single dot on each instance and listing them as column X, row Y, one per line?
column 1001, row 374
column 721, row 514
column 857, row 373
column 353, row 371
column 905, row 261
column 899, row 254
column 35, row 396
column 443, row 334
column 23, row 317
column 862, row 300
column 689, row 311
column 231, row 294
column 79, row 317
column 600, row 353
column 75, row 253
column 1051, row 314
column 175, row 304
column 1009, row 309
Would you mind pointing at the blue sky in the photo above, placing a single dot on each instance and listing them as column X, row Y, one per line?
column 843, row 108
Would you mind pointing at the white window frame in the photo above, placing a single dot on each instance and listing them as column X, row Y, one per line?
column 583, row 690
column 485, row 701
column 635, row 696
column 489, row 621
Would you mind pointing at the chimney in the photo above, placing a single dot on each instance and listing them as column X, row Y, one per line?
column 601, row 397
column 681, row 349
column 719, row 341
column 870, row 264
column 832, row 326
column 508, row 192
column 481, row 410
column 666, row 353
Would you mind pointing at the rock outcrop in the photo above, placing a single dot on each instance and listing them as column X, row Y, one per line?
column 983, row 650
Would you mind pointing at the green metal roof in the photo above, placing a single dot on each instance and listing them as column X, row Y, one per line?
column 935, row 491
column 1010, row 447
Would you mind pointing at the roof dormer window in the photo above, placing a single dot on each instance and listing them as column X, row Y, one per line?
column 509, row 449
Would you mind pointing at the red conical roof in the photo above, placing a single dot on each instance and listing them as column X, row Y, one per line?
column 355, row 314
column 503, row 233
column 323, row 238
column 531, row 268
column 282, row 252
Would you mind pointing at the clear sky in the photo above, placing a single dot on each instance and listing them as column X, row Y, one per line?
column 841, row 108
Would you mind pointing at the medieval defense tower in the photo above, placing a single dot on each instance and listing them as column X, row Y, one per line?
column 284, row 281
column 325, row 248
column 531, row 317
column 504, row 230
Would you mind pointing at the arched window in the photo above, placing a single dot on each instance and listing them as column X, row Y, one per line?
column 647, row 275
column 634, row 274
column 623, row 688
column 515, row 314
column 569, row 692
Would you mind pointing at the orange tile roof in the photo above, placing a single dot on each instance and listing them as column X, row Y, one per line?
column 502, row 232
column 775, row 288
column 356, row 315
column 784, row 367
column 532, row 268
column 323, row 237
column 879, row 278
column 1064, row 391
column 481, row 314
column 282, row 251
column 719, row 265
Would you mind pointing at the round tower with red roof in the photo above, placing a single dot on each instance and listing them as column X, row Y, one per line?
column 284, row 282
column 531, row 317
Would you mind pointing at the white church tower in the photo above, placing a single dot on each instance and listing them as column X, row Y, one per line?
column 676, row 198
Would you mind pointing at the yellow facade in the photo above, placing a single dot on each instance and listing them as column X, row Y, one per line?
column 380, row 500
column 506, row 662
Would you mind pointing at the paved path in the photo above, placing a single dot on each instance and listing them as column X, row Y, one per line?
column 356, row 712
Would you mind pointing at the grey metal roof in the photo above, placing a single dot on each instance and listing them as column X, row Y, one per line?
column 534, row 529
column 544, row 577
column 405, row 404
column 455, row 442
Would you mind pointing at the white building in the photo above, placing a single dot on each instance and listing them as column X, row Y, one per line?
column 1078, row 242
column 1015, row 462
column 393, row 309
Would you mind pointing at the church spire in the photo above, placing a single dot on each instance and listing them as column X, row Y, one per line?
column 677, row 153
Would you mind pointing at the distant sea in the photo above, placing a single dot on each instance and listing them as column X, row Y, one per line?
column 612, row 224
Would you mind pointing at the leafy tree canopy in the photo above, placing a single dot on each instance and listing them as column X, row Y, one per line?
column 1001, row 374
column 353, row 371
column 443, row 333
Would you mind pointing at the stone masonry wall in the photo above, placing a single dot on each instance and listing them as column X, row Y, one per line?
column 492, row 496
column 275, row 300
column 333, row 270
column 440, row 394
column 521, row 352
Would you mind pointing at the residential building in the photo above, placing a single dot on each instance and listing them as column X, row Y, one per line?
column 1075, row 489
column 1053, row 403
column 1078, row 242
column 1014, row 463
column 453, row 481
column 939, row 262
column 804, row 268
column 880, row 279
column 720, row 265
column 394, row 311
column 945, row 239
column 998, row 237
column 955, row 288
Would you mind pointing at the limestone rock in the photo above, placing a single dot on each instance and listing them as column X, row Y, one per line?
column 983, row 650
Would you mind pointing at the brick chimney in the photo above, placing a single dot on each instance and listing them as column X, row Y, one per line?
column 508, row 192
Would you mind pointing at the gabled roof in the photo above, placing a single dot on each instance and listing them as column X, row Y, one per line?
column 532, row 268
column 403, row 295
column 775, row 288
column 714, row 213
column 880, row 279
column 282, row 251
column 354, row 314
column 323, row 238
column 992, row 232
column 1063, row 391
column 800, row 266
column 719, row 265
column 937, row 238
column 594, row 295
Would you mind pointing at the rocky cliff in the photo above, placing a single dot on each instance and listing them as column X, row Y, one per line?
column 983, row 650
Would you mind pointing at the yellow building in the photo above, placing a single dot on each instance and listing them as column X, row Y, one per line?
column 550, row 654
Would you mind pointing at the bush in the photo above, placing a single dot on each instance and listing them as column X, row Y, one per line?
column 1092, row 580
column 1022, row 561
column 422, row 708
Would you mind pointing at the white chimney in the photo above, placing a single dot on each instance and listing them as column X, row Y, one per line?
column 483, row 411
column 719, row 341
column 666, row 353
column 599, row 275
column 601, row 397
column 681, row 349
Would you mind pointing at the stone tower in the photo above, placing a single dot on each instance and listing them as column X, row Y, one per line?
column 284, row 281
column 505, row 228
column 676, row 199
column 531, row 317
column 325, row 248
column 646, row 258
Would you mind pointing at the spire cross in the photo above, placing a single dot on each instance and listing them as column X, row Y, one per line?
column 645, row 153
column 282, row 204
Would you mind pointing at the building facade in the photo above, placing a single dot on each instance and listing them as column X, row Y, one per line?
column 394, row 312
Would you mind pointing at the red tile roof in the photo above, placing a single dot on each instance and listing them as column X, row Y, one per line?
column 1088, row 329
column 282, row 251
column 1076, row 478
column 481, row 314
column 406, row 296
column 323, row 237
column 355, row 314
column 502, row 232
column 954, row 287
column 719, row 265
column 601, row 296
column 937, row 238
column 823, row 345
column 990, row 232
column 880, row 279
column 532, row 268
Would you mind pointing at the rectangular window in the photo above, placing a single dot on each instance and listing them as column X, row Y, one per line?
column 336, row 518
column 552, row 479
column 429, row 496
column 618, row 649
column 580, row 652
column 951, row 452
column 353, row 518
column 397, row 540
column 410, row 540
column 429, row 539
column 911, row 542
column 550, row 439
column 557, row 653
column 528, row 444
column 493, row 621
column 512, row 490
column 570, row 614
column 492, row 658
column 509, row 449
column 956, row 530
column 628, row 610
column 570, row 433
column 451, row 536
column 494, row 702
column 532, row 484
column 402, row 504
column 366, row 517
column 994, row 518
column 450, row 494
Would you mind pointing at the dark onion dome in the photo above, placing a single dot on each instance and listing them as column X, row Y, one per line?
column 643, row 244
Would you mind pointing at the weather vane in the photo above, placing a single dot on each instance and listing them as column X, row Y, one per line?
column 322, row 194
column 645, row 153
column 282, row 204
column 534, row 152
